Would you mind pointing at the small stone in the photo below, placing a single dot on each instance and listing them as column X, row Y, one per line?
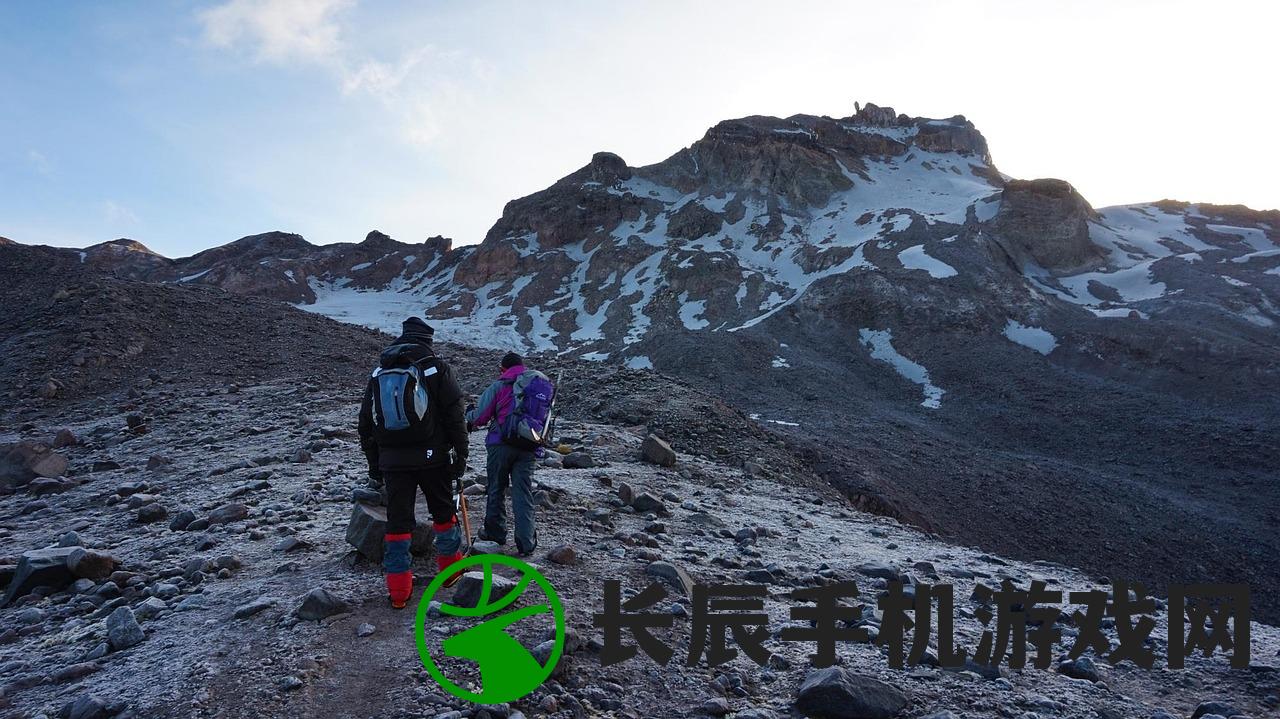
column 86, row 706
column 674, row 575
column 152, row 513
column 123, row 630
column 65, row 438
column 1081, row 668
column 292, row 544
column 150, row 607
column 626, row 493
column 485, row 546
column 90, row 564
column 165, row 590
column 231, row 512
column 656, row 451
column 195, row 601
column 836, row 693
column 578, row 460
column 182, row 520
column 290, row 683
column 879, row 569
column 318, row 604
column 1216, row 706
column 646, row 502
column 365, row 629
column 716, row 706
column 252, row 608
column 563, row 554
column 467, row 593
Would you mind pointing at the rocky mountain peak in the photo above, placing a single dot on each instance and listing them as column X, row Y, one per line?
column 876, row 116
column 380, row 241
column 122, row 244
column 438, row 244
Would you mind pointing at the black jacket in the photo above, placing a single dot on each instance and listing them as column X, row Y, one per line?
column 451, row 427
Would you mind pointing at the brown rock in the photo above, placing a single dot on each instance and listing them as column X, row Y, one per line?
column 90, row 564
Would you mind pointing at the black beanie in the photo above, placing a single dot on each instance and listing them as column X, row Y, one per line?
column 511, row 360
column 417, row 327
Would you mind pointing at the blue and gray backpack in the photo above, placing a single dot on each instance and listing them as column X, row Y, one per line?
column 402, row 411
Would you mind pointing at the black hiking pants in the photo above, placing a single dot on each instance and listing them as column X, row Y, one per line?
column 402, row 485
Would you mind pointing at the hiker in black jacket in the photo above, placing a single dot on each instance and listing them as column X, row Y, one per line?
column 409, row 451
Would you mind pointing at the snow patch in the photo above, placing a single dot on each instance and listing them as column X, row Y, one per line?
column 196, row 276
column 690, row 312
column 639, row 362
column 915, row 258
column 1038, row 339
column 880, row 344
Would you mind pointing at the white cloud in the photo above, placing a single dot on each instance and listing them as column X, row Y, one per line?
column 286, row 32
column 278, row 31
column 40, row 163
column 116, row 215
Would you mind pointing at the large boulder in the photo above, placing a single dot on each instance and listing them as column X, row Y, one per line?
column 1045, row 224
column 368, row 525
column 836, row 693
column 41, row 568
column 656, row 451
column 24, row 461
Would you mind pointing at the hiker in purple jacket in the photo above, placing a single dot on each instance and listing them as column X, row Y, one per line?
column 507, row 464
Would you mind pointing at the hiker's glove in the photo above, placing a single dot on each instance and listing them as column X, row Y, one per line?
column 458, row 468
column 375, row 474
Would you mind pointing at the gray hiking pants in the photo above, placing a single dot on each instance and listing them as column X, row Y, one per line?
column 508, row 466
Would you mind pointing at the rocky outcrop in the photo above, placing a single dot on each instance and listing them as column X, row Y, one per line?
column 1044, row 224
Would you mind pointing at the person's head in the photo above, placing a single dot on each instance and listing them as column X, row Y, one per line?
column 418, row 330
column 511, row 359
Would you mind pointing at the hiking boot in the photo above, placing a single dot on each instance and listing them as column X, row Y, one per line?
column 482, row 537
column 399, row 588
column 528, row 552
column 442, row 565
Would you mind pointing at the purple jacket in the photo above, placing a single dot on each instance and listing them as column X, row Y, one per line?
column 495, row 405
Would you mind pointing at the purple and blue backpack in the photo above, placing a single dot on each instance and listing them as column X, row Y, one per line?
column 532, row 396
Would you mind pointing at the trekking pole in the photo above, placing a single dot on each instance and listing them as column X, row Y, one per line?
column 549, row 433
column 462, row 507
